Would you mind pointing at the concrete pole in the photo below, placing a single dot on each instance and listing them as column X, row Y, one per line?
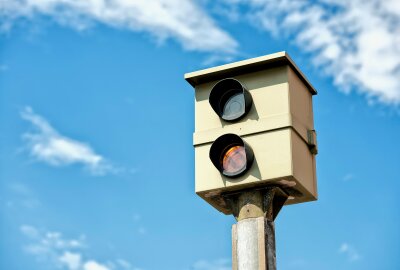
column 253, row 237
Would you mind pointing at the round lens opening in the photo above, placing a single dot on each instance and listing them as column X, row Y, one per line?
column 234, row 160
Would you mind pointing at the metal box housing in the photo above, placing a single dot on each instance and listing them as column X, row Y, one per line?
column 279, row 128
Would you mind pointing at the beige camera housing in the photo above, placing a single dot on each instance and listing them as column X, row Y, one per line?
column 279, row 128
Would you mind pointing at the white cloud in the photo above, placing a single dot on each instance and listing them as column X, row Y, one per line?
column 356, row 42
column 93, row 265
column 183, row 20
column 47, row 145
column 53, row 248
column 71, row 260
column 47, row 242
column 221, row 264
column 351, row 253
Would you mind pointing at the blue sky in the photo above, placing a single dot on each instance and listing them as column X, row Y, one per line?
column 96, row 123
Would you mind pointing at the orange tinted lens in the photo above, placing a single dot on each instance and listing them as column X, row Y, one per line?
column 234, row 160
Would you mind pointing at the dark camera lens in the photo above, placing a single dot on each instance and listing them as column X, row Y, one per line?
column 230, row 100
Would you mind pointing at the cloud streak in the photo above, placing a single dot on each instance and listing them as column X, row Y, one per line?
column 53, row 248
column 47, row 145
column 356, row 42
column 182, row 20
column 48, row 246
column 23, row 197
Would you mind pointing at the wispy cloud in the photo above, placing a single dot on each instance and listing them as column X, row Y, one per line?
column 53, row 248
column 138, row 224
column 356, row 42
column 351, row 253
column 23, row 196
column 183, row 20
column 48, row 145
column 50, row 246
column 29, row 231
column 220, row 264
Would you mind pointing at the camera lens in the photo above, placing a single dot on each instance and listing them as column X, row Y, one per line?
column 234, row 160
column 234, row 107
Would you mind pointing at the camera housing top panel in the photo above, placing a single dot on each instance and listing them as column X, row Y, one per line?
column 254, row 128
